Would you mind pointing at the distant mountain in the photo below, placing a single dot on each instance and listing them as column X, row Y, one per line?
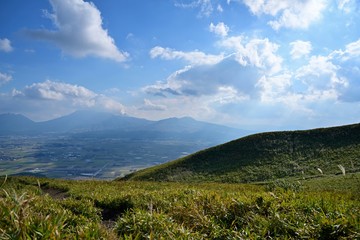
column 185, row 124
column 187, row 128
column 89, row 121
column 266, row 156
column 15, row 123
column 93, row 124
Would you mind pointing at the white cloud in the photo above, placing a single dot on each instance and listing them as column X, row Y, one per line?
column 59, row 91
column 320, row 81
column 228, row 94
column 318, row 65
column 219, row 8
column 274, row 87
column 150, row 106
column 219, row 29
column 194, row 57
column 300, row 49
column 353, row 49
column 345, row 5
column 4, row 78
column 256, row 52
column 5, row 45
column 79, row 31
column 65, row 94
column 172, row 86
column 207, row 80
column 295, row 14
column 205, row 6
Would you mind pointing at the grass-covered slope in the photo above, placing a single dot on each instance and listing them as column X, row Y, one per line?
column 266, row 156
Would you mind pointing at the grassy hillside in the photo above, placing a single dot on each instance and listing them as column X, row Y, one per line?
column 40, row 208
column 266, row 156
column 297, row 207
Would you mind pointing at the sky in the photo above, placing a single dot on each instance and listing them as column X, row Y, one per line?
column 252, row 64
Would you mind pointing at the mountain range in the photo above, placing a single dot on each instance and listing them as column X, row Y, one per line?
column 101, row 124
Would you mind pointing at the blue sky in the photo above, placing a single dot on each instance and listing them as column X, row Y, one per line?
column 251, row 64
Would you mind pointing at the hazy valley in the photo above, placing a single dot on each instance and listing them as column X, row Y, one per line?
column 89, row 144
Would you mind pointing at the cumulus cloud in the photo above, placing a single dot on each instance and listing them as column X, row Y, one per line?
column 255, row 52
column 79, row 31
column 4, row 78
column 227, row 80
column 294, row 14
column 320, row 73
column 65, row 94
column 58, row 91
column 238, row 91
column 300, row 48
column 274, row 87
column 219, row 29
column 194, row 57
column 251, row 84
column 348, row 60
column 5, row 45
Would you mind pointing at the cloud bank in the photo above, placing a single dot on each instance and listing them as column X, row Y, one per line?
column 42, row 100
column 253, row 86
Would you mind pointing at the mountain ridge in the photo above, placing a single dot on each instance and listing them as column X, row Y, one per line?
column 266, row 156
column 101, row 124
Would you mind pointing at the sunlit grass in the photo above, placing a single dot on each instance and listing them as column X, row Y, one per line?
column 146, row 210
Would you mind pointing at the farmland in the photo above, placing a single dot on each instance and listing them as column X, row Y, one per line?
column 70, row 157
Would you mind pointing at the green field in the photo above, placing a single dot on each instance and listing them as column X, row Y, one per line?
column 42, row 208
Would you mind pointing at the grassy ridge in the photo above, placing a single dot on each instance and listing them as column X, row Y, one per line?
column 310, row 209
column 266, row 156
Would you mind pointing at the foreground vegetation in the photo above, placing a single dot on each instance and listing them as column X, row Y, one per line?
column 40, row 208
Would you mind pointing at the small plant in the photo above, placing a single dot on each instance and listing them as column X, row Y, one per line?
column 285, row 185
column 4, row 181
column 342, row 168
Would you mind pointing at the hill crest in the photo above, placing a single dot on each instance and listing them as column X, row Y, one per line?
column 266, row 156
